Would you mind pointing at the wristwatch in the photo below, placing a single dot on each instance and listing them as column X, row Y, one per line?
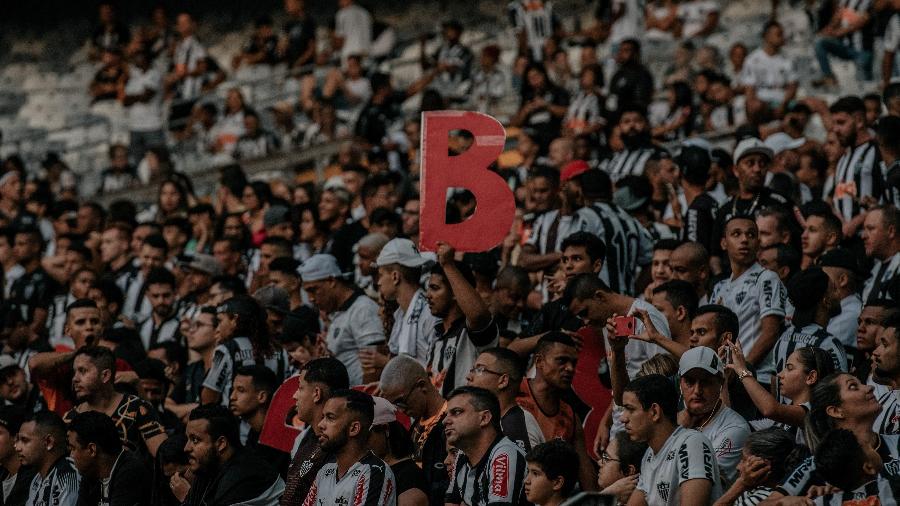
column 744, row 374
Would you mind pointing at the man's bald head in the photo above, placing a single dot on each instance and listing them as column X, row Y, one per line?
column 401, row 373
column 690, row 262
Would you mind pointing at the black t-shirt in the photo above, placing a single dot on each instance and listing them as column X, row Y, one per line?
column 409, row 476
column 34, row 290
column 431, row 450
column 194, row 374
column 342, row 242
column 245, row 478
column 21, row 487
column 127, row 486
column 699, row 222
column 300, row 34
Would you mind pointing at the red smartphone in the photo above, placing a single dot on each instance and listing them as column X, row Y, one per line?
column 625, row 326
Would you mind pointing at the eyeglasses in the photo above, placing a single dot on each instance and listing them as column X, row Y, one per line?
column 480, row 369
column 401, row 402
column 606, row 458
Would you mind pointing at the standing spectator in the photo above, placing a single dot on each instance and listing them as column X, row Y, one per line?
column 650, row 410
column 543, row 105
column 634, row 131
column 768, row 77
column 534, row 23
column 881, row 236
column 699, row 18
column 143, row 96
column 857, row 179
column 244, row 339
column 848, row 35
column 352, row 30
column 489, row 82
column 752, row 160
column 297, row 45
column 12, row 471
column 821, row 234
column 111, row 34
column 110, row 474
column 354, row 323
column 632, row 84
column 584, row 114
column 485, row 455
column 185, row 78
column 225, row 472
column 344, row 432
column 251, row 395
column 399, row 270
column 43, row 446
column 843, row 270
column 888, row 135
column 452, row 64
column 108, row 79
column 317, row 382
column 256, row 142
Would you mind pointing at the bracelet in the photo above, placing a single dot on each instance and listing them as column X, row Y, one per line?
column 744, row 374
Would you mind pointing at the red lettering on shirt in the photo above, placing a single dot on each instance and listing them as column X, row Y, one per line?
column 311, row 497
column 388, row 488
column 500, row 475
column 359, row 497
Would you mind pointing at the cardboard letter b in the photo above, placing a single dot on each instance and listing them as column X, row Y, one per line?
column 495, row 203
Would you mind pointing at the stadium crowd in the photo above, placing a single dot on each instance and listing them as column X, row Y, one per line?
column 697, row 302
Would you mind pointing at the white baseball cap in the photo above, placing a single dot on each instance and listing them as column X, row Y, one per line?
column 385, row 412
column 750, row 146
column 780, row 142
column 318, row 267
column 400, row 251
column 701, row 357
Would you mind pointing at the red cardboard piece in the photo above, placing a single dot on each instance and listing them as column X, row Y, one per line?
column 278, row 430
column 495, row 202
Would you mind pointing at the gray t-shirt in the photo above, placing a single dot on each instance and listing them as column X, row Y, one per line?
column 354, row 326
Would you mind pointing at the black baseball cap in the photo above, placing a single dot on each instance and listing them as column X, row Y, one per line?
column 842, row 258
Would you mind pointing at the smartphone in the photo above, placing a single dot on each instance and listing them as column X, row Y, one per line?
column 625, row 326
column 727, row 355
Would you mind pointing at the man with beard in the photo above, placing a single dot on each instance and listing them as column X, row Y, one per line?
column 318, row 380
column 110, row 474
column 344, row 432
column 634, row 131
column 224, row 472
column 555, row 359
column 755, row 294
column 163, row 322
column 815, row 301
column 490, row 468
column 869, row 327
column 93, row 383
column 858, row 176
column 12, row 473
column 42, row 445
column 542, row 251
column 15, row 389
column 886, row 361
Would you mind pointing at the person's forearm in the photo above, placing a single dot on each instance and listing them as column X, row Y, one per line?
column 531, row 261
column 42, row 363
column 618, row 375
column 672, row 346
column 473, row 307
column 768, row 335
column 525, row 345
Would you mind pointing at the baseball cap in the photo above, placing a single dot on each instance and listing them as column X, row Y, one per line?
column 780, row 142
column 400, row 251
column 203, row 263
column 628, row 199
column 7, row 362
column 12, row 418
column 274, row 298
column 299, row 323
column 700, row 357
column 573, row 169
column 842, row 258
column 318, row 267
column 750, row 146
column 385, row 412
column 276, row 215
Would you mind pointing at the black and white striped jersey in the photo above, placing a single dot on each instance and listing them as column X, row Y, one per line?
column 813, row 336
column 888, row 420
column 884, row 272
column 58, row 488
column 369, row 482
column 878, row 491
column 497, row 480
column 858, row 175
column 536, row 19
column 629, row 245
column 627, row 163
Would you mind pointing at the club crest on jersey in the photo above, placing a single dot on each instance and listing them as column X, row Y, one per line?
column 663, row 490
column 669, row 456
column 305, row 467
column 740, row 297
column 500, row 475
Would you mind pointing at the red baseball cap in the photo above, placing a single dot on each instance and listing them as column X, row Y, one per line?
column 574, row 169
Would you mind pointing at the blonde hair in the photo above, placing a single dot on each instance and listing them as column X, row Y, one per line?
column 662, row 363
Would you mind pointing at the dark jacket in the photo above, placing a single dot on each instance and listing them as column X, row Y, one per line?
column 128, row 486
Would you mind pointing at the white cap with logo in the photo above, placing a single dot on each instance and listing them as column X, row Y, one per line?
column 318, row 267
column 400, row 251
column 703, row 358
column 750, row 146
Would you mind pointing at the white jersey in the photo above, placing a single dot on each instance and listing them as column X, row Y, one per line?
column 728, row 432
column 769, row 75
column 883, row 272
column 888, row 420
column 535, row 18
column 843, row 326
column 636, row 351
column 369, row 482
column 791, row 339
column 693, row 15
column 497, row 480
column 354, row 326
column 413, row 332
column 892, row 42
column 58, row 488
column 687, row 455
column 753, row 295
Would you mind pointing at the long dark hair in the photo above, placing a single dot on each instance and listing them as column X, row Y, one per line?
column 251, row 323
column 825, row 394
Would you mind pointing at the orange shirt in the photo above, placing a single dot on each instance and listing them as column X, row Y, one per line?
column 558, row 426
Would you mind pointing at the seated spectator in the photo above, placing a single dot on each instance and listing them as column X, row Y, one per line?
column 42, row 445
column 230, row 127
column 768, row 78
column 489, row 82
column 110, row 474
column 620, row 466
column 699, row 18
column 451, row 64
column 261, row 49
column 391, row 442
column 256, row 142
column 552, row 473
column 584, row 115
column 12, row 470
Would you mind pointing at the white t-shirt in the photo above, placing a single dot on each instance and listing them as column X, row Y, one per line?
column 353, row 327
column 354, row 24
column 755, row 294
column 728, row 432
column 892, row 42
column 769, row 74
column 413, row 332
column 687, row 455
column 629, row 24
column 636, row 351
column 693, row 14
column 145, row 116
